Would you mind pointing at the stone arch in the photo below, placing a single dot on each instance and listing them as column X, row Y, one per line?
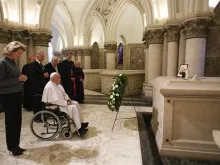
column 46, row 11
column 114, row 19
column 65, row 19
column 94, row 19
column 95, row 56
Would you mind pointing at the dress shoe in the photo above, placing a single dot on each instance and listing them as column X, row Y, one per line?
column 82, row 131
column 21, row 149
column 15, row 152
column 84, row 125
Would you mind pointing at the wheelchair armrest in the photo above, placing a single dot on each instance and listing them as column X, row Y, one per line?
column 50, row 106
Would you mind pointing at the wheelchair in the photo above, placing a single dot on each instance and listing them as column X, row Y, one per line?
column 50, row 122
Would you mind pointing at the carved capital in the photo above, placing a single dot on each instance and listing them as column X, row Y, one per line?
column 21, row 36
column 146, row 43
column 196, row 28
column 87, row 51
column 153, row 36
column 110, row 48
column 79, row 52
column 41, row 39
column 173, row 33
column 5, row 35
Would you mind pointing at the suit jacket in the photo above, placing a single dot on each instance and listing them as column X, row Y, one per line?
column 36, row 76
column 50, row 69
column 65, row 68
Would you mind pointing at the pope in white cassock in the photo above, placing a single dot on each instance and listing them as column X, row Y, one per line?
column 54, row 93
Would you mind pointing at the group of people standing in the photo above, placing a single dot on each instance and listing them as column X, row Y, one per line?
column 33, row 78
column 72, row 78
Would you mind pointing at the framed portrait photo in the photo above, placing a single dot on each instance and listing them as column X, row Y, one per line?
column 182, row 69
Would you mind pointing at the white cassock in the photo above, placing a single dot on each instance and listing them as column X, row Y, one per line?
column 55, row 94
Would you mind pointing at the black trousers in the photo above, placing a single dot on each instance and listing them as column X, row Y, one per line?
column 11, row 104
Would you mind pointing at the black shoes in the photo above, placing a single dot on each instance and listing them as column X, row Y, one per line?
column 82, row 131
column 84, row 125
column 21, row 149
column 17, row 151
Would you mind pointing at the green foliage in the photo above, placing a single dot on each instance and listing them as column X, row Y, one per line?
column 117, row 92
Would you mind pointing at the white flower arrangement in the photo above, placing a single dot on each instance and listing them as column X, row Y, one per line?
column 117, row 91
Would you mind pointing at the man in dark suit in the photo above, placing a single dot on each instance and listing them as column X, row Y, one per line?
column 66, row 72
column 37, row 80
column 51, row 67
column 27, row 95
column 79, row 78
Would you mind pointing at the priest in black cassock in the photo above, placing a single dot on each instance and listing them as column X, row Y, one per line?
column 27, row 95
column 51, row 67
column 68, row 81
column 79, row 78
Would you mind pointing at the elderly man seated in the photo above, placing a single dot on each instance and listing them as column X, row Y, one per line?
column 54, row 93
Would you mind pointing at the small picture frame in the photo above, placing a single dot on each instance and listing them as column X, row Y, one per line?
column 182, row 68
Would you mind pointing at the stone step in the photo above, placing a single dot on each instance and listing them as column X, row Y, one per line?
column 103, row 99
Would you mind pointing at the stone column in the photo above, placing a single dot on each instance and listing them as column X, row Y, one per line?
column 196, row 33
column 41, row 41
column 173, row 41
column 110, row 48
column 182, row 47
column 146, row 50
column 165, row 54
column 155, row 39
column 19, row 36
column 5, row 38
column 87, row 57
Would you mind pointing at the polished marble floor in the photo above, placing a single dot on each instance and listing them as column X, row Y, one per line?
column 100, row 146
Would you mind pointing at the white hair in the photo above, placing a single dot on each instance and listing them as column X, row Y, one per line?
column 39, row 52
column 54, row 58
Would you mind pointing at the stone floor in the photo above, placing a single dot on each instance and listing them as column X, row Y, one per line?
column 100, row 146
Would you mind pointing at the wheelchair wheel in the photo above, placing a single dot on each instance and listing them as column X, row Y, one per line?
column 45, row 125
column 67, row 134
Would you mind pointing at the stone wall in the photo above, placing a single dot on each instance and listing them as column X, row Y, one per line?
column 213, row 47
column 136, row 57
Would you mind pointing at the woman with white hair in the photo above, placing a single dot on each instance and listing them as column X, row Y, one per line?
column 11, row 95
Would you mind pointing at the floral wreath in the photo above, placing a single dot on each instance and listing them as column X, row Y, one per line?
column 117, row 92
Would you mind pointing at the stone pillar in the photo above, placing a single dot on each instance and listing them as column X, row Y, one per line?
column 5, row 38
column 20, row 37
column 146, row 51
column 87, row 57
column 30, row 47
column 182, row 47
column 196, row 33
column 41, row 41
column 165, row 54
column 173, row 35
column 110, row 54
column 155, row 39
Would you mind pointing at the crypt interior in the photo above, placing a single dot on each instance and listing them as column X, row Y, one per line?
column 164, row 119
